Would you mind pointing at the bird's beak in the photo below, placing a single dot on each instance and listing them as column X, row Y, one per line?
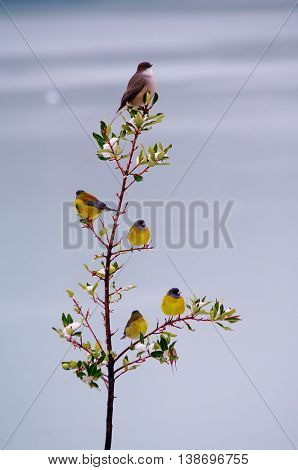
column 151, row 65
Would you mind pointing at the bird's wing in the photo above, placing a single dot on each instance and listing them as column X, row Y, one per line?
column 135, row 85
column 88, row 197
column 98, row 204
column 128, row 324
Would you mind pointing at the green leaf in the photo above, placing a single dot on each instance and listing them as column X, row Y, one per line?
column 127, row 288
column 151, row 152
column 232, row 319
column 138, row 120
column 64, row 320
column 108, row 130
column 98, row 373
column 80, row 374
column 163, row 343
column 103, row 128
column 102, row 358
column 91, row 292
column 101, row 157
column 157, row 354
column 99, row 139
column 103, row 231
column 168, row 148
column 147, row 97
column 141, row 338
column 231, row 312
column 227, row 328
column 58, row 331
column 155, row 99
column 77, row 333
column 93, row 385
column 138, row 178
column 188, row 326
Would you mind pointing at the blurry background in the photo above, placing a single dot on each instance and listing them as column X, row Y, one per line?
column 237, row 390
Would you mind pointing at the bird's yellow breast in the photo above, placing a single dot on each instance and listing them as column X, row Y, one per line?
column 85, row 211
column 172, row 306
column 135, row 328
column 138, row 237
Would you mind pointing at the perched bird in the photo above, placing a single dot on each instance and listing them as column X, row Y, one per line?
column 89, row 207
column 135, row 326
column 172, row 303
column 139, row 234
column 141, row 82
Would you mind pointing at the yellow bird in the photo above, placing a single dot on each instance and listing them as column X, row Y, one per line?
column 136, row 325
column 89, row 207
column 173, row 304
column 139, row 234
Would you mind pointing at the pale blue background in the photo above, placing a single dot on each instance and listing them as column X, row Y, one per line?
column 202, row 51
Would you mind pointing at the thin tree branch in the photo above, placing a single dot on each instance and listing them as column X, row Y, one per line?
column 160, row 328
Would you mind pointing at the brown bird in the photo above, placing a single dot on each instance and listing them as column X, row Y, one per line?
column 141, row 82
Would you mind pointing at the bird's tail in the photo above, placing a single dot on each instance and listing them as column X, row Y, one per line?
column 114, row 210
column 115, row 117
column 119, row 111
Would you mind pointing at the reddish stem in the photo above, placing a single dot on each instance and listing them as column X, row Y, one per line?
column 160, row 328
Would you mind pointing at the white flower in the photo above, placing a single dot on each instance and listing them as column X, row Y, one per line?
column 201, row 304
column 140, row 347
column 228, row 310
column 150, row 348
column 112, row 145
column 145, row 347
column 89, row 287
column 101, row 272
column 88, row 379
column 70, row 329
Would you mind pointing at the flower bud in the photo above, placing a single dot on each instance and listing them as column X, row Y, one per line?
column 112, row 145
column 66, row 365
column 70, row 329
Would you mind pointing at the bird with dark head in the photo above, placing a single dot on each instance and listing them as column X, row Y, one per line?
column 144, row 66
column 88, row 207
column 140, row 223
column 139, row 234
column 174, row 292
column 173, row 304
column 139, row 84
